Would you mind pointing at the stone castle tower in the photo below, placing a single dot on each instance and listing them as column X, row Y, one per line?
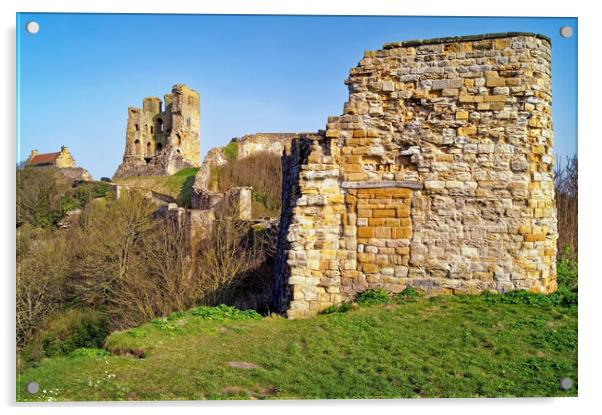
column 162, row 141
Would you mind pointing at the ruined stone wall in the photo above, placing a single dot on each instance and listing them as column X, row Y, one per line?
column 438, row 175
column 204, row 187
column 162, row 142
column 273, row 143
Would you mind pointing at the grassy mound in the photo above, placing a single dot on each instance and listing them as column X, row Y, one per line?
column 410, row 346
column 178, row 186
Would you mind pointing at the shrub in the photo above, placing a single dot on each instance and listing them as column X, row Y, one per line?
column 67, row 331
column 86, row 191
column 567, row 269
column 409, row 293
column 373, row 296
column 223, row 312
column 525, row 297
column 565, row 296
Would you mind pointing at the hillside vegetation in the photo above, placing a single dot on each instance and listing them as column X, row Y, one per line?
column 178, row 186
column 517, row 344
column 262, row 172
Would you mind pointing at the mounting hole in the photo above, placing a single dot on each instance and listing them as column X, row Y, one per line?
column 33, row 388
column 566, row 31
column 566, row 384
column 32, row 27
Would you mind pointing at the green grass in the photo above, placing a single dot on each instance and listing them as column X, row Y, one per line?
column 178, row 186
column 412, row 346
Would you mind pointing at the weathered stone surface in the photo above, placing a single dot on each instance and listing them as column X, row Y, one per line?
column 441, row 182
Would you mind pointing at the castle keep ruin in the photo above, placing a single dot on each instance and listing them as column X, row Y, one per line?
column 162, row 142
column 438, row 175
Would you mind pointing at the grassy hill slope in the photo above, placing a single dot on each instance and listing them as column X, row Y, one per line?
column 178, row 185
column 450, row 346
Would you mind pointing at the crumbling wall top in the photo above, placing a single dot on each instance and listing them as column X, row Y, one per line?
column 467, row 38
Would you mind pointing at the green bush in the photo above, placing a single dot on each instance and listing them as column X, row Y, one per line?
column 409, row 293
column 86, row 191
column 66, row 331
column 373, row 296
column 223, row 312
column 68, row 203
column 564, row 296
column 567, row 270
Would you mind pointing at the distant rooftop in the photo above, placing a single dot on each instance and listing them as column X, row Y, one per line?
column 41, row 159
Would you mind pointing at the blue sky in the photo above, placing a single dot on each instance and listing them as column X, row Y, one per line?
column 78, row 75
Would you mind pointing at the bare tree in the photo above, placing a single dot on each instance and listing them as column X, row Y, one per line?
column 224, row 255
column 39, row 195
column 566, row 189
column 107, row 248
column 41, row 275
column 168, row 262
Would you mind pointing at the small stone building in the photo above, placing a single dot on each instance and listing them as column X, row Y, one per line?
column 438, row 175
column 163, row 141
column 61, row 159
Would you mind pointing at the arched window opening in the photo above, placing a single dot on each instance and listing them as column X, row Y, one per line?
column 159, row 147
column 137, row 147
column 152, row 130
column 137, row 127
column 159, row 125
column 149, row 148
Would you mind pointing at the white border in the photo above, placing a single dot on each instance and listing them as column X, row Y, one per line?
column 590, row 152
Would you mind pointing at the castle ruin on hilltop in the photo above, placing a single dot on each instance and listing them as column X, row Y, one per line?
column 438, row 175
column 162, row 141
